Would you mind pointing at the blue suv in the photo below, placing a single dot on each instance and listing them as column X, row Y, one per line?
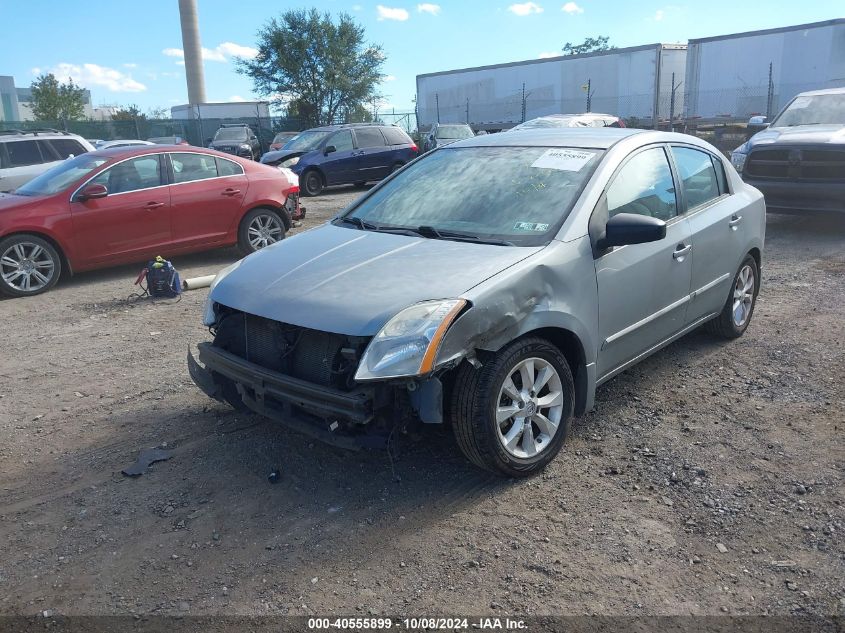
column 343, row 154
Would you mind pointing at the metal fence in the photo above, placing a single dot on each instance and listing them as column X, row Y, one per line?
column 198, row 132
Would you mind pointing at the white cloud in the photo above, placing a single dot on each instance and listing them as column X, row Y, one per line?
column 390, row 13
column 90, row 75
column 230, row 49
column 427, row 7
column 36, row 71
column 546, row 55
column 222, row 53
column 526, row 8
column 357, row 7
column 130, row 65
column 236, row 98
column 171, row 75
column 658, row 15
column 389, row 78
column 571, row 8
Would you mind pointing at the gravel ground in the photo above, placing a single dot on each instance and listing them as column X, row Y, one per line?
column 708, row 480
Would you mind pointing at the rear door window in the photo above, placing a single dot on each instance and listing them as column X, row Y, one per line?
column 369, row 137
column 191, row 167
column 697, row 174
column 23, row 153
column 228, row 167
column 66, row 147
column 395, row 136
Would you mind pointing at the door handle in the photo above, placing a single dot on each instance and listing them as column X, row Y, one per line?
column 681, row 250
column 735, row 220
column 152, row 206
column 231, row 192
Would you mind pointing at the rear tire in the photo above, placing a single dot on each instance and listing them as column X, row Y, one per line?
column 312, row 183
column 29, row 265
column 531, row 380
column 739, row 306
column 258, row 229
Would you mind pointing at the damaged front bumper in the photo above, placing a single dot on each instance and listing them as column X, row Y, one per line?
column 290, row 400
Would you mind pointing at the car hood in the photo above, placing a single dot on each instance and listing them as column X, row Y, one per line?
column 349, row 281
column 228, row 143
column 279, row 155
column 798, row 135
column 11, row 201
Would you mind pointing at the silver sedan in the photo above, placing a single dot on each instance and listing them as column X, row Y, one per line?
column 492, row 285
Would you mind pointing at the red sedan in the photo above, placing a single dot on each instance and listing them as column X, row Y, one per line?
column 130, row 204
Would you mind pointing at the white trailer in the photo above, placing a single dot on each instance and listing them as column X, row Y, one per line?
column 632, row 83
column 222, row 110
column 728, row 77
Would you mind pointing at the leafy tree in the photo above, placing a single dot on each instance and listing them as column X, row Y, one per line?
column 325, row 68
column 589, row 45
column 158, row 112
column 54, row 101
column 128, row 113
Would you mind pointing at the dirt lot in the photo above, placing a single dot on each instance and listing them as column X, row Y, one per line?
column 709, row 479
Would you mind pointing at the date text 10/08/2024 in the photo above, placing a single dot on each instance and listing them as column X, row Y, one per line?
column 413, row 624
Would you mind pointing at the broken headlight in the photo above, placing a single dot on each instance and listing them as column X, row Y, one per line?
column 209, row 317
column 408, row 343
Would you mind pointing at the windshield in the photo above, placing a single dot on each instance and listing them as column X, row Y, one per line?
column 231, row 134
column 454, row 131
column 61, row 176
column 813, row 110
column 519, row 195
column 307, row 141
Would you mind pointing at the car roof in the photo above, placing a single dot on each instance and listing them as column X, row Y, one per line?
column 344, row 126
column 596, row 138
column 140, row 150
column 30, row 134
column 826, row 91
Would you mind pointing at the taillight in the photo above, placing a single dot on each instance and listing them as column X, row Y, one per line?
column 291, row 190
column 415, row 148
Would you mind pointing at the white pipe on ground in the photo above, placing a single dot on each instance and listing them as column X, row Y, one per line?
column 197, row 282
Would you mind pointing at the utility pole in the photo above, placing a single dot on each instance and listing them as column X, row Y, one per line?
column 523, row 102
column 672, row 103
column 771, row 95
column 589, row 95
column 437, row 102
column 467, row 110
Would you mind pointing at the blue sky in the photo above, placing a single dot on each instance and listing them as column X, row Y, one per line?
column 128, row 52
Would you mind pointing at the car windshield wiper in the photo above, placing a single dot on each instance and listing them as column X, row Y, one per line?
column 361, row 224
column 438, row 234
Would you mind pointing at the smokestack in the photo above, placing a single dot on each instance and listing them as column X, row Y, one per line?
column 193, row 51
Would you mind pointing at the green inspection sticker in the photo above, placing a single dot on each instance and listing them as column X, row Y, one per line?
column 539, row 227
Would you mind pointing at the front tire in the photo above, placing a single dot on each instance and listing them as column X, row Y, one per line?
column 512, row 415
column 258, row 229
column 29, row 265
column 739, row 307
column 312, row 183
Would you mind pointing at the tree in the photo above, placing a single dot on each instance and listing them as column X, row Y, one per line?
column 322, row 67
column 158, row 112
column 54, row 101
column 589, row 45
column 128, row 113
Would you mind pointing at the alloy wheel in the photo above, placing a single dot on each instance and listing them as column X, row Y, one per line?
column 743, row 296
column 263, row 231
column 529, row 408
column 27, row 267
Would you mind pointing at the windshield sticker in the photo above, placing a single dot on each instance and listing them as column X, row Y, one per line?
column 563, row 159
column 539, row 227
column 800, row 102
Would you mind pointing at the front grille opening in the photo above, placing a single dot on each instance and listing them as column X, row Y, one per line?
column 323, row 358
column 798, row 164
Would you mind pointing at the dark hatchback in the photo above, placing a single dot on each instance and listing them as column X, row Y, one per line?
column 353, row 153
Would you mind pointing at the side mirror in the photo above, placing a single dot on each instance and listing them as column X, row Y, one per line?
column 329, row 149
column 758, row 122
column 630, row 228
column 92, row 192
